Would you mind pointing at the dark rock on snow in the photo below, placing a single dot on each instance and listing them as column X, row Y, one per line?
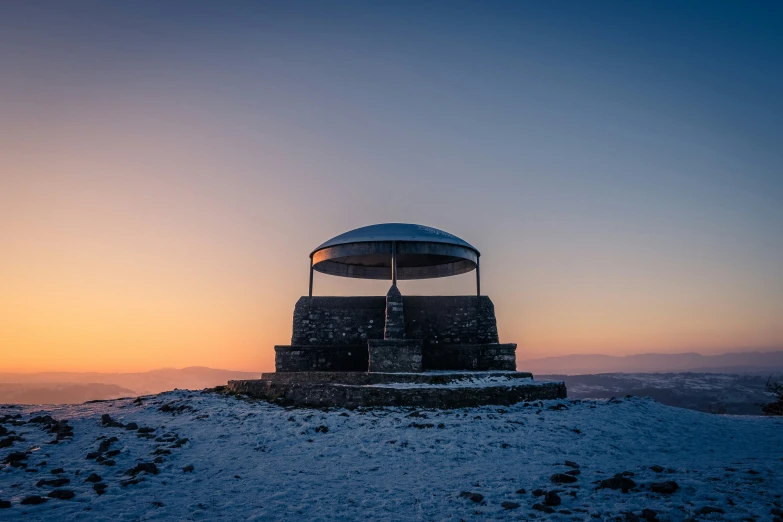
column 9, row 441
column 62, row 494
column 665, row 488
column 562, row 478
column 543, row 508
column 147, row 467
column 15, row 456
column 106, row 420
column 475, row 497
column 55, row 483
column 42, row 419
column 552, row 498
column 618, row 482
column 33, row 500
column 106, row 444
column 510, row 505
column 706, row 510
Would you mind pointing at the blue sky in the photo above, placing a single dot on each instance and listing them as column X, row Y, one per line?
column 618, row 164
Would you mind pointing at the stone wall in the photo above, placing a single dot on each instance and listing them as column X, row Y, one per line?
column 338, row 320
column 476, row 357
column 365, row 378
column 436, row 320
column 352, row 358
column 320, row 395
column 462, row 319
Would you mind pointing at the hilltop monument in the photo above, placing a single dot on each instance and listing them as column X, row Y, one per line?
column 433, row 351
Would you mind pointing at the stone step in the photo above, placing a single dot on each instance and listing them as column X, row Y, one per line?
column 459, row 394
column 367, row 378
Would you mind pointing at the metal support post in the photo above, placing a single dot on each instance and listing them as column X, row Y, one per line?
column 311, row 277
column 478, row 278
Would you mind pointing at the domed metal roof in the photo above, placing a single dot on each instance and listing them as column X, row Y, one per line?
column 420, row 252
column 395, row 232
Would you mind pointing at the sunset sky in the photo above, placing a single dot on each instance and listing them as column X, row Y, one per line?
column 167, row 167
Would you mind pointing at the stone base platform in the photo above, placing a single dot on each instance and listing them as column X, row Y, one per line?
column 425, row 389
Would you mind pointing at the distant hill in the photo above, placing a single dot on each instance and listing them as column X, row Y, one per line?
column 736, row 394
column 59, row 393
column 61, row 387
column 740, row 362
column 124, row 384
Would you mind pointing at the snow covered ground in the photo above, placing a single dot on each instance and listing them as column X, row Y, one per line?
column 255, row 461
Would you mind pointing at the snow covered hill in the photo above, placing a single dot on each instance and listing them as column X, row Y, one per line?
column 742, row 394
column 210, row 456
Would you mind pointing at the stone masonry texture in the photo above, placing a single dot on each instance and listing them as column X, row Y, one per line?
column 366, row 378
column 321, row 394
column 476, row 357
column 436, row 320
column 462, row 319
column 338, row 320
column 394, row 326
column 401, row 355
column 450, row 333
column 321, row 358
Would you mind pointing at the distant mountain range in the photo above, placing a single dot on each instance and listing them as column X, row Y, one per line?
column 75, row 387
column 739, row 362
column 59, row 393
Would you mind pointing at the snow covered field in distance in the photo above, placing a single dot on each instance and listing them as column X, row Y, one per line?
column 735, row 394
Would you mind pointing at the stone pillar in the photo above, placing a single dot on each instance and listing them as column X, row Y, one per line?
column 395, row 321
column 394, row 353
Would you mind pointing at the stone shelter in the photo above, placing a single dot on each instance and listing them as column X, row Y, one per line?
column 440, row 351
